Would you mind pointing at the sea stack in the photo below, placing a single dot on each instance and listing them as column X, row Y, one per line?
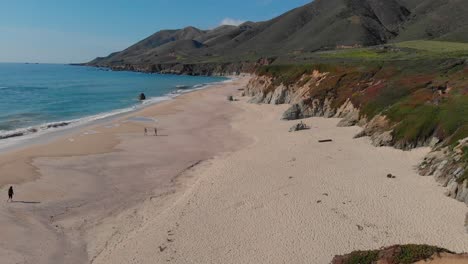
column 142, row 97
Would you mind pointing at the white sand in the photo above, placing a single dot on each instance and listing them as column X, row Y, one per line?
column 287, row 199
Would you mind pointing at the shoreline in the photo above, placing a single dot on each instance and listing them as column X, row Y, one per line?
column 23, row 137
column 224, row 183
column 285, row 198
column 90, row 172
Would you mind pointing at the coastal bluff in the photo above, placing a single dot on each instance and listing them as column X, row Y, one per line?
column 427, row 113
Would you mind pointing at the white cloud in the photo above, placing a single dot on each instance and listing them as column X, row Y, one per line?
column 231, row 22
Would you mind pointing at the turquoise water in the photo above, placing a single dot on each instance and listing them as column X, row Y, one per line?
column 37, row 97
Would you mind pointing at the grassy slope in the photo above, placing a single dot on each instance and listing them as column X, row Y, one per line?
column 410, row 50
column 405, row 254
column 421, row 86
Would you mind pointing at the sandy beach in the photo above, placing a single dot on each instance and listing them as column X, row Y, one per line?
column 66, row 189
column 225, row 182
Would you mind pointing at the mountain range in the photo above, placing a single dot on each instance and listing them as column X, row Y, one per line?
column 319, row 25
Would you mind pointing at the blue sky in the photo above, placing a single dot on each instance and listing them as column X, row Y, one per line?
column 65, row 31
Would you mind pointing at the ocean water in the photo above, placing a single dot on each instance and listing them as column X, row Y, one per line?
column 36, row 98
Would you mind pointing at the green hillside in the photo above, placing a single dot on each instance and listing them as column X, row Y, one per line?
column 321, row 25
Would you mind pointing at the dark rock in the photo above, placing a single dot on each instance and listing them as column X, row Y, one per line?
column 62, row 124
column 293, row 113
column 309, row 108
column 300, row 111
column 230, row 98
column 299, row 127
column 12, row 135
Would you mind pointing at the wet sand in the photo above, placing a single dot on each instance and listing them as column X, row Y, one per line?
column 65, row 189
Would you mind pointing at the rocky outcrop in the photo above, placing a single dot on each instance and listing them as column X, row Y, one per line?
column 309, row 108
column 349, row 114
column 262, row 89
column 448, row 167
column 379, row 130
column 299, row 127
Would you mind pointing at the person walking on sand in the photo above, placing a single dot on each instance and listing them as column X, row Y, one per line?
column 146, row 131
column 155, row 131
column 10, row 194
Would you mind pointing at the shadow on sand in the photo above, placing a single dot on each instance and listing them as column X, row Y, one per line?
column 26, row 202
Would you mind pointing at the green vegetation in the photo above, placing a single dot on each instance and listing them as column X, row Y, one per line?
column 367, row 54
column 404, row 254
column 363, row 257
column 454, row 117
column 316, row 26
column 410, row 50
column 421, row 98
column 413, row 253
column 434, row 46
column 421, row 120
column 414, row 123
column 384, row 97
column 465, row 153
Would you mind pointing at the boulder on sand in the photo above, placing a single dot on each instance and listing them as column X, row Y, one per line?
column 299, row 127
column 293, row 113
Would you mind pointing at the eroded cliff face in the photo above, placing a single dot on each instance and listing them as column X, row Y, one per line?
column 448, row 166
column 263, row 90
column 309, row 97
